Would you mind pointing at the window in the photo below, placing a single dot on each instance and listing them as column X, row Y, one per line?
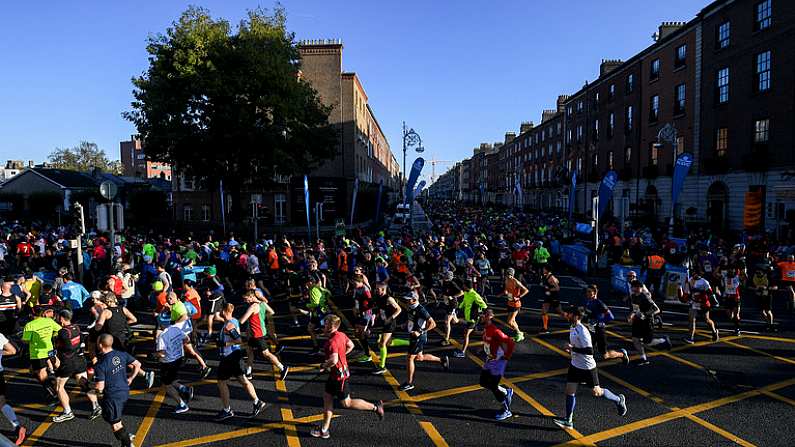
column 724, row 34
column 579, row 106
column 611, row 92
column 763, row 71
column 579, row 134
column 653, row 153
column 611, row 124
column 654, row 73
column 627, row 155
column 722, row 142
column 280, row 208
column 568, row 137
column 723, row 85
column 681, row 56
column 679, row 106
column 596, row 130
column 680, row 144
column 764, row 15
column 595, row 161
column 559, row 148
column 761, row 131
column 596, row 101
column 205, row 213
column 630, row 82
column 628, row 121
column 654, row 108
column 610, row 160
column 187, row 213
column 579, row 164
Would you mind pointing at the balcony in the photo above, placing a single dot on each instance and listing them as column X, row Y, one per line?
column 650, row 172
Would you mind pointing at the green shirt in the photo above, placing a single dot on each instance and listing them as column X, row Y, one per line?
column 192, row 255
column 317, row 299
column 471, row 297
column 149, row 250
column 38, row 333
column 178, row 310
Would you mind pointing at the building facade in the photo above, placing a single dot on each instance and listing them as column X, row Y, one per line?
column 134, row 162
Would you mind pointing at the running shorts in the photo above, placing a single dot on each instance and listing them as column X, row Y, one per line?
column 70, row 367
column 258, row 344
column 417, row 344
column 339, row 389
column 230, row 366
column 589, row 377
column 168, row 371
column 113, row 408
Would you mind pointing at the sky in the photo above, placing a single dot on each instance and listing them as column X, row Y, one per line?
column 458, row 72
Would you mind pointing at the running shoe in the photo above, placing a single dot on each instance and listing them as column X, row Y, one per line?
column 625, row 358
column 224, row 415
column 63, row 417
column 206, row 372
column 737, row 333
column 379, row 371
column 406, row 387
column 508, row 399
column 364, row 358
column 667, row 345
column 21, row 433
column 318, row 432
column 181, row 409
column 643, row 362
column 503, row 415
column 445, row 343
column 621, row 405
column 519, row 337
column 149, row 376
column 544, row 332
column 563, row 423
column 379, row 410
column 689, row 341
column 257, row 409
column 459, row 354
column 95, row 413
column 446, row 363
column 715, row 336
column 249, row 374
column 285, row 371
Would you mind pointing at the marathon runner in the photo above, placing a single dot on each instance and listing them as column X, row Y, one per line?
column 701, row 296
column 596, row 316
column 551, row 296
column 257, row 315
column 499, row 349
column 113, row 385
column 418, row 324
column 451, row 292
column 388, row 311
column 20, row 431
column 642, row 319
column 760, row 283
column 363, row 311
column 170, row 349
column 471, row 305
column 731, row 297
column 71, row 363
column 514, row 291
column 39, row 333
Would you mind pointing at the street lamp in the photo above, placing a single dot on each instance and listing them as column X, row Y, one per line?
column 668, row 134
column 410, row 139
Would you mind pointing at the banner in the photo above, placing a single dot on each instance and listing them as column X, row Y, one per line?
column 416, row 168
column 606, row 190
column 675, row 276
column 519, row 192
column 681, row 168
column 306, row 202
column 417, row 190
column 575, row 256
column 353, row 201
column 377, row 217
column 752, row 213
column 618, row 276
column 572, row 193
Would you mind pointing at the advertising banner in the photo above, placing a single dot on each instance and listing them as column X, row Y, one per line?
column 675, row 276
column 681, row 168
column 414, row 175
column 606, row 190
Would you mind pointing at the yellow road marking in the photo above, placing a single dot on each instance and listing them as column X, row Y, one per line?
column 779, row 397
column 41, row 429
column 730, row 436
column 760, row 352
column 437, row 439
column 151, row 413
column 287, row 414
column 769, row 338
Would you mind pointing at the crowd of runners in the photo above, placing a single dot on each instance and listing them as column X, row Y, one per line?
column 356, row 297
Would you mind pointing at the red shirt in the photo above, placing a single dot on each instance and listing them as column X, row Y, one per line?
column 24, row 249
column 338, row 343
column 494, row 338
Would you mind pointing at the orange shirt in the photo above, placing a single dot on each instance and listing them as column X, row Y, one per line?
column 787, row 271
column 273, row 260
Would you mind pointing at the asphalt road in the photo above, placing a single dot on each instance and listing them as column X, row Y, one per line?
column 747, row 397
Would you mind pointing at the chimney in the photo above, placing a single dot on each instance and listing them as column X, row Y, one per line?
column 509, row 136
column 525, row 126
column 562, row 102
column 30, row 163
column 546, row 115
column 667, row 28
column 608, row 65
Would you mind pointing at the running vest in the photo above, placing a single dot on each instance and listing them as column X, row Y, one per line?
column 656, row 262
column 257, row 324
column 116, row 325
column 68, row 350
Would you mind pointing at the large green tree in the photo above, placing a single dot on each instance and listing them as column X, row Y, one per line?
column 228, row 104
column 83, row 157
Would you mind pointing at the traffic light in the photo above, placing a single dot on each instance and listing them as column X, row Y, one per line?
column 79, row 217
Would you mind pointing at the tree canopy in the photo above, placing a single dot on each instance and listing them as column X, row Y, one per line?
column 224, row 104
column 83, row 157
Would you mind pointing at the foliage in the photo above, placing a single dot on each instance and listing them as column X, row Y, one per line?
column 224, row 105
column 83, row 158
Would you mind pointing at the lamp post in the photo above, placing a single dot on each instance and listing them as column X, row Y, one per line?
column 668, row 134
column 410, row 139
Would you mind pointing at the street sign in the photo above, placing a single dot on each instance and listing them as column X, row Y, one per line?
column 108, row 222
column 108, row 190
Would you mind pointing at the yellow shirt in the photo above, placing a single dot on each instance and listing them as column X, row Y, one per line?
column 33, row 286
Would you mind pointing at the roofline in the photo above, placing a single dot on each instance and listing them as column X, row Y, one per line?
column 37, row 173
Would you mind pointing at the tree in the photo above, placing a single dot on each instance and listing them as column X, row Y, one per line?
column 83, row 157
column 222, row 105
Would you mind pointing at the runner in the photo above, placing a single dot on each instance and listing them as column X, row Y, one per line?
column 337, row 348
column 597, row 315
column 169, row 347
column 213, row 302
column 230, row 366
column 701, row 295
column 10, row 305
column 471, row 304
column 731, row 297
column 642, row 319
column 363, row 311
column 760, row 283
column 317, row 309
column 39, row 333
column 113, row 385
column 20, row 431
column 71, row 363
column 551, row 296
column 418, row 324
column 182, row 315
column 583, row 370
column 499, row 349
column 257, row 316
column 514, row 291
column 388, row 311
column 451, row 292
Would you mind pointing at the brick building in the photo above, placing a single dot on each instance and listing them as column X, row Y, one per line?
column 134, row 162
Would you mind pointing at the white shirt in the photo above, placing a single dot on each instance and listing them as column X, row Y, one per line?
column 580, row 337
column 170, row 341
column 253, row 264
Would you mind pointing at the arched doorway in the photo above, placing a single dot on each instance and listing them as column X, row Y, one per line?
column 717, row 198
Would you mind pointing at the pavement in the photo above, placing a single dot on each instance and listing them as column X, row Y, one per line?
column 738, row 391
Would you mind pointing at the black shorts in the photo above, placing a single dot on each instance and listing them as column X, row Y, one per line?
column 488, row 380
column 416, row 345
column 37, row 364
column 113, row 408
column 169, row 371
column 2, row 384
column 589, row 377
column 552, row 300
column 258, row 343
column 211, row 307
column 388, row 328
column 230, row 366
column 119, row 343
column 765, row 302
column 71, row 366
column 642, row 329
column 472, row 324
column 338, row 389
column 317, row 319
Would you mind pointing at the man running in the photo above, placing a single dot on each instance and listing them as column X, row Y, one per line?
column 257, row 317
column 317, row 309
column 337, row 348
column 551, row 296
column 20, row 431
column 642, row 318
column 583, row 370
column 113, row 385
column 451, row 292
column 499, row 349
column 170, row 349
column 597, row 315
column 363, row 311
column 418, row 324
column 760, row 283
column 514, row 291
column 700, row 292
column 230, row 366
column 731, row 297
column 39, row 333
column 388, row 311
column 471, row 305
column 71, row 363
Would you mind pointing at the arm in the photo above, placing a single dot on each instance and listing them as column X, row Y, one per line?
column 101, row 319
column 395, row 306
column 431, row 325
column 131, row 319
column 348, row 347
column 523, row 290
column 136, row 369
column 268, row 309
column 247, row 315
column 9, row 349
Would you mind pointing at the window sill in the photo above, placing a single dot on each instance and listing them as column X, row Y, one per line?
column 653, row 80
column 680, row 68
column 678, row 115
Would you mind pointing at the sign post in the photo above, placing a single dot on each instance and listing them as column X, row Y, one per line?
column 109, row 190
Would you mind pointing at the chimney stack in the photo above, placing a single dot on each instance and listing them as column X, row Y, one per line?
column 525, row 126
column 608, row 65
column 509, row 136
column 667, row 28
column 546, row 115
column 562, row 102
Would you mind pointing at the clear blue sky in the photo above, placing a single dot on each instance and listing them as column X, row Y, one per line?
column 459, row 72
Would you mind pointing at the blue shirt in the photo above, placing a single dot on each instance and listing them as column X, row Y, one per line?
column 112, row 370
column 75, row 294
column 170, row 342
column 224, row 337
